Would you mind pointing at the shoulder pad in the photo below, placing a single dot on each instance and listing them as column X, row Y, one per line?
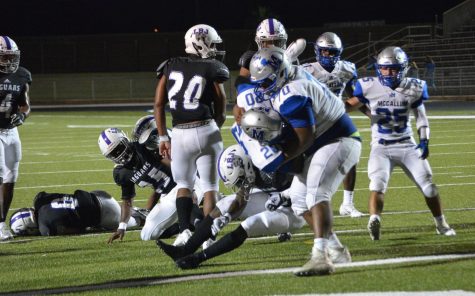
column 161, row 68
column 245, row 59
column 23, row 72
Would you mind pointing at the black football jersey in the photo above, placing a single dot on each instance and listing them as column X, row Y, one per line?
column 145, row 170
column 12, row 94
column 190, row 87
column 60, row 213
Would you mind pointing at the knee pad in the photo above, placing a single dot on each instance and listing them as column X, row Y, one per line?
column 430, row 190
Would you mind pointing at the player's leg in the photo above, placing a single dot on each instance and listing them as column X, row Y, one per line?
column 162, row 216
column 421, row 173
column 328, row 167
column 185, row 148
column 211, row 146
column 10, row 156
column 379, row 172
column 347, row 207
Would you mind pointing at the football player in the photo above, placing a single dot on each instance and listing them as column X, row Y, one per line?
column 236, row 170
column 339, row 76
column 137, row 165
column 14, row 109
column 326, row 137
column 63, row 214
column 267, row 213
column 193, row 87
column 391, row 97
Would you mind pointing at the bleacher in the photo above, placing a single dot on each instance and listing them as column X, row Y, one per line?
column 454, row 57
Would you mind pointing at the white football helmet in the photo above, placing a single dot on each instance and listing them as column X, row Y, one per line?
column 270, row 68
column 22, row 222
column 395, row 58
column 115, row 145
column 271, row 30
column 262, row 125
column 201, row 40
column 331, row 42
column 9, row 55
column 235, row 167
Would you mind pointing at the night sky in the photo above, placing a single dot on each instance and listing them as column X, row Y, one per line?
column 77, row 17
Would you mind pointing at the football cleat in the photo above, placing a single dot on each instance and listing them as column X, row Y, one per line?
column 445, row 230
column 172, row 251
column 339, row 255
column 374, row 228
column 350, row 210
column 319, row 264
column 189, row 262
column 182, row 238
column 139, row 215
column 284, row 236
column 208, row 243
column 5, row 234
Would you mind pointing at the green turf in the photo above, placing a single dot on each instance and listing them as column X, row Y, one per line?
column 58, row 158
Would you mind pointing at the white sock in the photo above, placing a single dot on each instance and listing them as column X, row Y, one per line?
column 334, row 242
column 440, row 221
column 348, row 197
column 375, row 217
column 320, row 243
column 2, row 225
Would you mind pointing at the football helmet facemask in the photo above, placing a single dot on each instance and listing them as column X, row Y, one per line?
column 22, row 222
column 201, row 40
column 270, row 68
column 235, row 168
column 9, row 55
column 262, row 125
column 115, row 145
column 330, row 42
column 392, row 57
column 271, row 31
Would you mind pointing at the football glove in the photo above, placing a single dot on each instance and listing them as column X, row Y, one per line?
column 275, row 201
column 219, row 223
column 17, row 119
column 424, row 146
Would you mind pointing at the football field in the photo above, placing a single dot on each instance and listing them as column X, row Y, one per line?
column 60, row 154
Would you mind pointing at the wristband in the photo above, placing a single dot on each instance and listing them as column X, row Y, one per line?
column 164, row 138
column 122, row 226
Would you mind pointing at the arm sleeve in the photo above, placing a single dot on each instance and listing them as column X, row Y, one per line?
column 298, row 111
column 358, row 92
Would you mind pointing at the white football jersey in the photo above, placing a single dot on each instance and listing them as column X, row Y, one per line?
column 335, row 80
column 390, row 108
column 327, row 107
column 247, row 99
column 261, row 156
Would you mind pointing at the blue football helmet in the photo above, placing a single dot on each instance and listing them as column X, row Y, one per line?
column 331, row 42
column 270, row 68
column 392, row 57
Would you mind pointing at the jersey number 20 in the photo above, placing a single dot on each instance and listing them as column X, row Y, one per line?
column 194, row 90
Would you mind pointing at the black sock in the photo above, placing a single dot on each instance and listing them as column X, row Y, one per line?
column 227, row 243
column 170, row 231
column 196, row 215
column 202, row 233
column 184, row 206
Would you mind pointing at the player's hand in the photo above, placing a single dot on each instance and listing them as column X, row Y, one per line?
column 275, row 201
column 219, row 223
column 118, row 234
column 17, row 119
column 165, row 149
column 424, row 146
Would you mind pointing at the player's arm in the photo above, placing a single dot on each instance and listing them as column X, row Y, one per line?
column 422, row 125
column 219, row 103
column 23, row 108
column 125, row 211
column 161, row 99
column 352, row 104
column 238, row 112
